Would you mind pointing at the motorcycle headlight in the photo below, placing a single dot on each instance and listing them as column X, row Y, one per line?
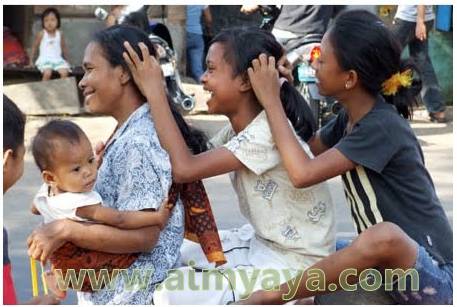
column 315, row 54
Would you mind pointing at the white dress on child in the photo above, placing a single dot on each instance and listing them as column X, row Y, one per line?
column 290, row 229
column 50, row 56
column 63, row 205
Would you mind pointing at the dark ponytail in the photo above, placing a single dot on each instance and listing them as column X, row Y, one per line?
column 111, row 40
column 406, row 97
column 298, row 111
column 242, row 45
column 195, row 139
column 363, row 43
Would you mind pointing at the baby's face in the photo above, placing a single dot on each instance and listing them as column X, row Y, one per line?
column 75, row 169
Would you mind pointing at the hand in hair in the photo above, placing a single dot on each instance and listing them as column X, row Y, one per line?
column 285, row 69
column 147, row 73
column 264, row 78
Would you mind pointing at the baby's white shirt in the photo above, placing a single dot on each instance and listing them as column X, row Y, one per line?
column 63, row 205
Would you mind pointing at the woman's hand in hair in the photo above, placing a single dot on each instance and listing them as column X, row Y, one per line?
column 147, row 73
column 264, row 78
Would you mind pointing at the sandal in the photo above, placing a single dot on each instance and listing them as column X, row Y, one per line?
column 438, row 117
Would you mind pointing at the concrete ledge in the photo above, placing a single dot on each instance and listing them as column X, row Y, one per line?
column 59, row 96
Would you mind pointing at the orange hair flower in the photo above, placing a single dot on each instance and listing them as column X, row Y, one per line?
column 393, row 84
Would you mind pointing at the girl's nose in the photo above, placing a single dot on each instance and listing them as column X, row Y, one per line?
column 82, row 83
column 203, row 77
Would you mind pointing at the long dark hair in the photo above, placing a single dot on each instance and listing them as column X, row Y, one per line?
column 111, row 40
column 242, row 45
column 363, row 43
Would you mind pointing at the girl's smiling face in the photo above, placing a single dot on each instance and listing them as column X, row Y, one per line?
column 101, row 84
column 218, row 79
column 331, row 78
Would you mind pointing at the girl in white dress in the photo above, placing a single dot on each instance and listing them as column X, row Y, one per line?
column 53, row 54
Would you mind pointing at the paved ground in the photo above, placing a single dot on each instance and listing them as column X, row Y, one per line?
column 436, row 141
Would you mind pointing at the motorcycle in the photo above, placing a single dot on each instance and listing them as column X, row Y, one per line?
column 160, row 37
column 301, row 58
column 301, row 52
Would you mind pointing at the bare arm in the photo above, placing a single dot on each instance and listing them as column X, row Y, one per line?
column 421, row 29
column 186, row 167
column 420, row 13
column 302, row 170
column 207, row 16
column 64, row 48
column 316, row 145
column 35, row 45
column 46, row 239
column 125, row 219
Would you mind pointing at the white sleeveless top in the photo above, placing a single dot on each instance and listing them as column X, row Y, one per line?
column 50, row 48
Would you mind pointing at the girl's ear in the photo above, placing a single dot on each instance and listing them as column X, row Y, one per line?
column 7, row 156
column 351, row 80
column 48, row 177
column 245, row 85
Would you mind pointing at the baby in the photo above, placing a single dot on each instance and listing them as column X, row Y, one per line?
column 68, row 167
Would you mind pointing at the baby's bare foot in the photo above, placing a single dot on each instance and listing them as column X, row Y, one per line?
column 53, row 287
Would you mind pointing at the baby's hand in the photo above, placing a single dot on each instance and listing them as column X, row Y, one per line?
column 164, row 213
column 99, row 149
column 264, row 80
